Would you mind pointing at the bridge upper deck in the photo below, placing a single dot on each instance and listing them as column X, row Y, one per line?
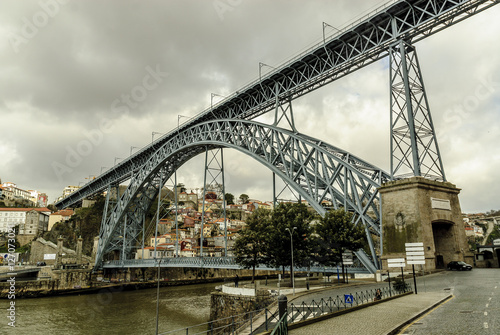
column 349, row 49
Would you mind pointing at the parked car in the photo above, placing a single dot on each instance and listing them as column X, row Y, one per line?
column 460, row 266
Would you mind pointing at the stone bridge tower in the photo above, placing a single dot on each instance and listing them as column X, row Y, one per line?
column 421, row 210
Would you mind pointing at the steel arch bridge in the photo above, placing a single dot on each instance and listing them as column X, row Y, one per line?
column 316, row 170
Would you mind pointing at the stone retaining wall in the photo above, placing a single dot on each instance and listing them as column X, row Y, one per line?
column 225, row 306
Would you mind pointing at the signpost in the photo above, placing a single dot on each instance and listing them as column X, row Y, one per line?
column 348, row 299
column 415, row 255
column 347, row 259
column 396, row 263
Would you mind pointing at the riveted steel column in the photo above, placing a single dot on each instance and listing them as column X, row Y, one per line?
column 176, row 213
column 160, row 184
column 203, row 201
column 224, row 200
column 414, row 147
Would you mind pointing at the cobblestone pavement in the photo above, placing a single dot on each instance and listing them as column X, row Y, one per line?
column 379, row 319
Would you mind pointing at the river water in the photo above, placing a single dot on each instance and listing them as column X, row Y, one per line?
column 111, row 312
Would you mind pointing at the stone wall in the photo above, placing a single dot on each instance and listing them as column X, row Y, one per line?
column 60, row 280
column 232, row 308
column 40, row 247
column 421, row 210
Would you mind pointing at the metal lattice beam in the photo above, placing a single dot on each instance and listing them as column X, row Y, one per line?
column 316, row 170
column 414, row 147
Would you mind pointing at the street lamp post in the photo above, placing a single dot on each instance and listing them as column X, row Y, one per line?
column 153, row 135
column 291, row 250
column 179, row 117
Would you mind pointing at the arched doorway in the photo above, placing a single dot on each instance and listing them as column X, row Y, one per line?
column 444, row 242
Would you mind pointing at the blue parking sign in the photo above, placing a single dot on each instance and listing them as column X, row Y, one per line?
column 348, row 299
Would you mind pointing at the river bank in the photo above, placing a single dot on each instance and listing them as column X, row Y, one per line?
column 48, row 288
column 83, row 281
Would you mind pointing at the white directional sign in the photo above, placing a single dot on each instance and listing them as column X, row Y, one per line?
column 415, row 253
column 347, row 258
column 396, row 262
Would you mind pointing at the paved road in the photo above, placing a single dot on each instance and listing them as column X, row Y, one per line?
column 475, row 308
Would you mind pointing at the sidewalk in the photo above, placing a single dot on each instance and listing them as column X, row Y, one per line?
column 380, row 319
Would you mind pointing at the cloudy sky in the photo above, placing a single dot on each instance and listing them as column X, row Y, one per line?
column 69, row 68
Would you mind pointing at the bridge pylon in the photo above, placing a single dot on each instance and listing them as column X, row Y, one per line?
column 214, row 182
column 422, row 210
column 414, row 147
column 418, row 205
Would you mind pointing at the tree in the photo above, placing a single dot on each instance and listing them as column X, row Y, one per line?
column 229, row 198
column 297, row 218
column 336, row 233
column 250, row 246
column 244, row 198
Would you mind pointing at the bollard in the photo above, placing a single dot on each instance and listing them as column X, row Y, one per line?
column 282, row 305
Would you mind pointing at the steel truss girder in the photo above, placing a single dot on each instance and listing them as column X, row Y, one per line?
column 414, row 147
column 352, row 48
column 316, row 170
column 134, row 205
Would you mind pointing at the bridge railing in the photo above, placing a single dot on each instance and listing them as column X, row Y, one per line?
column 222, row 263
column 210, row 262
column 308, row 310
column 258, row 321
column 232, row 324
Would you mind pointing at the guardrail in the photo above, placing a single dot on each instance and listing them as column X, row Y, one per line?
column 230, row 325
column 304, row 311
column 258, row 321
column 282, row 327
column 220, row 263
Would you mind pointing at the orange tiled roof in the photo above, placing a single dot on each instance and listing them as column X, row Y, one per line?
column 64, row 212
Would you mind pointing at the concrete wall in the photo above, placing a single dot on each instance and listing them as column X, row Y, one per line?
column 421, row 210
column 238, row 290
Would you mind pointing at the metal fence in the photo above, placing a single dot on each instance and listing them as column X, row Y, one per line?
column 254, row 321
column 258, row 321
column 282, row 327
column 308, row 310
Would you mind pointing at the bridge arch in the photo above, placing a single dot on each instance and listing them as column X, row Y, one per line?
column 316, row 170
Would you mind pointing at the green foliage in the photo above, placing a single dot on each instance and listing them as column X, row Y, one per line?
column 297, row 218
column 244, row 198
column 400, row 286
column 24, row 248
column 495, row 234
column 335, row 234
column 252, row 243
column 229, row 198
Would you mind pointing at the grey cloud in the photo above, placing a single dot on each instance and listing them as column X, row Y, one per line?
column 63, row 82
